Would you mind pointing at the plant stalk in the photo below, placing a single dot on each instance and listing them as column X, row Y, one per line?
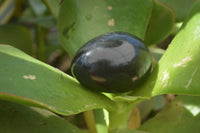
column 118, row 119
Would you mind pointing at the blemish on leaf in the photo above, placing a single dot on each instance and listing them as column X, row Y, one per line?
column 183, row 62
column 111, row 22
column 196, row 33
column 42, row 123
column 51, row 108
column 88, row 17
column 190, row 81
column 164, row 78
column 86, row 106
column 69, row 111
column 109, row 8
column 61, row 76
column 67, row 30
column 31, row 77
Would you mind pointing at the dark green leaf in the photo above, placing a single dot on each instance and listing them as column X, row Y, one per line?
column 160, row 24
column 180, row 7
column 82, row 20
column 15, row 118
column 17, row 36
column 53, row 6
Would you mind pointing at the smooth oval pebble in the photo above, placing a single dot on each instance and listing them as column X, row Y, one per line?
column 114, row 62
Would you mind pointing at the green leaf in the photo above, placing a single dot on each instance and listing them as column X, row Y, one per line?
column 180, row 116
column 15, row 118
column 160, row 24
column 28, row 81
column 82, row 20
column 17, row 36
column 178, row 69
column 180, row 7
column 53, row 6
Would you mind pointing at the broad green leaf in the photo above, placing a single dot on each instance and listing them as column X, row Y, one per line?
column 15, row 118
column 28, row 81
column 160, row 24
column 17, row 36
column 53, row 6
column 178, row 69
column 180, row 116
column 82, row 20
column 180, row 7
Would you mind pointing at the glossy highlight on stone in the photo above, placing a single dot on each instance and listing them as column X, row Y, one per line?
column 114, row 62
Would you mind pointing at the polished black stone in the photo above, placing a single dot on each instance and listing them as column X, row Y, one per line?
column 113, row 62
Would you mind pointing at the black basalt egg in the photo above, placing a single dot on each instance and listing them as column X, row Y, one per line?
column 114, row 62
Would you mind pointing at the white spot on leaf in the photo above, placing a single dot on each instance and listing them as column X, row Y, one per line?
column 183, row 62
column 164, row 79
column 31, row 77
column 86, row 106
column 69, row 111
column 196, row 33
column 109, row 7
column 190, row 81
